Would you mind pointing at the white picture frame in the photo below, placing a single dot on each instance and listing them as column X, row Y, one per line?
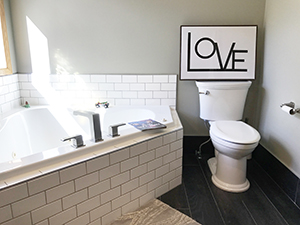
column 218, row 52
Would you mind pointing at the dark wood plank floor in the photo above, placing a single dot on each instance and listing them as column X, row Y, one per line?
column 264, row 203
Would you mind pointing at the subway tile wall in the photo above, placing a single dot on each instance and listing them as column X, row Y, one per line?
column 9, row 93
column 91, row 88
column 99, row 190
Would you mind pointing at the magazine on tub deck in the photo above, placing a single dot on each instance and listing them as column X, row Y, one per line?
column 148, row 124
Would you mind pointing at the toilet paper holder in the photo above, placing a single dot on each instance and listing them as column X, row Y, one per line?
column 291, row 105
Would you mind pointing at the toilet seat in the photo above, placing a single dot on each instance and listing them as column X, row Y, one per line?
column 236, row 132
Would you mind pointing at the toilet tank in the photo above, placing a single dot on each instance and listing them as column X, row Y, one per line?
column 224, row 100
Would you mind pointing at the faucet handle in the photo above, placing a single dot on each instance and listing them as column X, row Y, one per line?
column 76, row 141
column 113, row 129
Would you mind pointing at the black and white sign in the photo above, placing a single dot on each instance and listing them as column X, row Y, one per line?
column 218, row 52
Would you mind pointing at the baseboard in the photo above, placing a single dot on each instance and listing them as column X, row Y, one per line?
column 282, row 176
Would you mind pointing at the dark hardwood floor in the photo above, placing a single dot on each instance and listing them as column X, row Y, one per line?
column 264, row 203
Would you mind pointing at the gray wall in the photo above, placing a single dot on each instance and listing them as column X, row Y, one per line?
column 133, row 37
column 281, row 80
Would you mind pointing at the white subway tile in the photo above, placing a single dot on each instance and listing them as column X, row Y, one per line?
column 152, row 87
column 163, row 150
column 98, row 78
column 82, row 220
column 120, row 179
column 100, row 95
column 122, row 87
column 176, row 164
column 46, row 211
column 130, row 207
column 24, row 220
column 137, row 87
column 72, row 172
column 63, row 217
column 28, row 204
column 90, row 87
column 147, row 197
column 145, row 78
column 154, row 143
column 43, row 183
column 5, row 214
column 122, row 101
column 176, row 145
column 110, row 195
column 146, row 157
column 88, row 205
column 99, row 188
column 4, row 90
column 129, row 94
column 86, row 181
column 98, row 163
column 111, row 216
column 175, row 182
column 160, row 94
column 145, row 94
column 109, row 171
column 154, row 164
column 23, row 78
column 114, row 94
column 53, row 78
column 138, row 149
column 180, row 134
column 171, row 94
column 113, row 78
column 142, row 190
column 168, row 87
column 129, row 164
column 162, row 170
column 154, row 184
column 106, row 86
column 120, row 201
column 7, row 80
column 172, row 78
column 129, row 78
column 170, row 102
column 161, row 78
column 129, row 186
column 178, row 172
column 147, row 178
column 179, row 153
column 82, row 78
column 153, row 102
column 138, row 171
column 162, row 190
column 66, row 78
column 60, row 86
column 168, row 138
column 137, row 102
column 100, row 211
column 60, row 191
column 74, row 199
column 169, row 176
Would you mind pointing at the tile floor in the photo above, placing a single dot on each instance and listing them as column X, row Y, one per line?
column 264, row 203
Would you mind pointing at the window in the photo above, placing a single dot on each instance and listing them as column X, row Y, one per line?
column 5, row 61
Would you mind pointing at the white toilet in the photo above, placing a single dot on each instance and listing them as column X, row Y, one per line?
column 222, row 105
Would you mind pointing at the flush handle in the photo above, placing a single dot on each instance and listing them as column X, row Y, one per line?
column 204, row 93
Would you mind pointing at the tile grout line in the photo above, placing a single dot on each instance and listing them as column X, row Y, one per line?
column 211, row 192
column 270, row 202
column 249, row 212
column 187, row 198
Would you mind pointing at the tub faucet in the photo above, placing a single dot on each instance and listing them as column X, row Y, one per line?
column 95, row 127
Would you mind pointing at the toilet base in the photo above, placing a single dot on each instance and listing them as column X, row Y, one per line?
column 236, row 188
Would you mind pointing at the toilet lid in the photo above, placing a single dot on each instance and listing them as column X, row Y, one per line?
column 234, row 131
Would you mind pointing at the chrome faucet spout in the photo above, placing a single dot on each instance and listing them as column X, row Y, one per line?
column 94, row 118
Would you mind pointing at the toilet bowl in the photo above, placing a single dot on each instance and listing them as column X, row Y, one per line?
column 233, row 142
column 222, row 105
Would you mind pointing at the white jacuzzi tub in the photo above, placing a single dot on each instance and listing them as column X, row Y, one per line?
column 31, row 138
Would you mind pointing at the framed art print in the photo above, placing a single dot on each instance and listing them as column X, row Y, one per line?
column 218, row 52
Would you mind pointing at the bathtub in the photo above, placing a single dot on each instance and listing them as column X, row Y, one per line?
column 31, row 143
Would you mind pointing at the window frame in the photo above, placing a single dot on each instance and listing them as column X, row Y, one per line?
column 8, row 69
